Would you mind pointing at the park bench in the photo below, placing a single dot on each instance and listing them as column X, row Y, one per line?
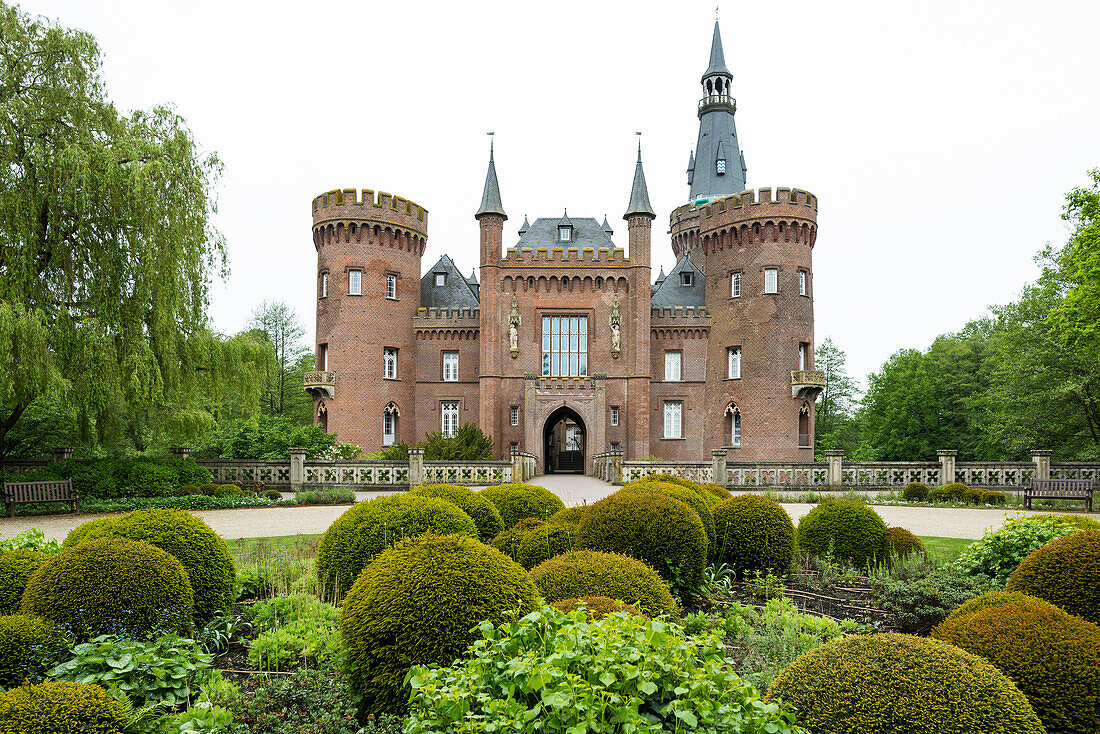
column 28, row 493
column 1059, row 489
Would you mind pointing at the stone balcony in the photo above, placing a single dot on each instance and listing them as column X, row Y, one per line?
column 807, row 384
column 320, row 384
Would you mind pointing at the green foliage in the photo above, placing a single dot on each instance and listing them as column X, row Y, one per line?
column 294, row 629
column 570, row 517
column 417, row 603
column 31, row 539
column 558, row 672
column 848, row 528
column 270, row 438
column 1075, row 320
column 204, row 718
column 202, row 552
column 583, row 573
column 596, row 607
column 993, row 599
column 1065, row 572
column 115, row 478
column 915, row 492
column 692, row 497
column 310, row 700
column 917, row 595
column 754, row 534
column 835, row 423
column 326, row 496
column 662, row 531
column 190, row 502
column 469, row 443
column 895, row 683
column 160, row 670
column 29, row 647
column 111, row 586
column 367, row 528
column 1053, row 657
column 225, row 490
column 276, row 325
column 1000, row 551
column 532, row 541
column 900, row 543
column 517, row 502
column 60, row 707
column 16, row 568
column 483, row 512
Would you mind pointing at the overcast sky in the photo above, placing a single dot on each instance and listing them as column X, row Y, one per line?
column 940, row 136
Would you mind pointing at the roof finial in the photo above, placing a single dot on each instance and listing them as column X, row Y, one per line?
column 715, row 13
column 490, row 134
column 639, row 134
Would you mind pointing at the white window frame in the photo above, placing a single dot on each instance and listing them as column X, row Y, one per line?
column 440, row 280
column 735, row 428
column 448, row 417
column 389, row 428
column 565, row 234
column 565, row 350
column 450, row 367
column 389, row 363
column 771, row 280
column 802, row 283
column 674, row 419
column 674, row 366
column 733, row 363
column 324, row 284
column 355, row 282
column 802, row 355
column 614, row 415
column 513, row 415
column 735, row 285
column 391, row 286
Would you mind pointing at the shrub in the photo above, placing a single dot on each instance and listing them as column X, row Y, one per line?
column 111, row 586
column 900, row 683
column 900, row 543
column 658, row 529
column 208, row 489
column 112, row 478
column 272, row 494
column 202, row 552
column 16, row 568
column 56, row 707
column 186, row 490
column 532, row 541
column 754, row 534
column 1000, row 551
column 851, row 529
column 993, row 599
column 920, row 595
column 717, row 491
column 915, row 492
column 225, row 490
column 596, row 607
column 29, row 647
column 483, row 512
column 691, row 498
column 1053, row 657
column 570, row 516
column 367, row 528
column 558, row 672
column 310, row 700
column 992, row 497
column 31, row 539
column 325, row 496
column 590, row 573
column 955, row 490
column 293, row 629
column 1065, row 572
column 416, row 604
column 516, row 502
column 972, row 495
column 77, row 534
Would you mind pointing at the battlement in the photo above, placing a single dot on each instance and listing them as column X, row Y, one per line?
column 449, row 314
column 349, row 205
column 680, row 312
column 762, row 203
column 566, row 256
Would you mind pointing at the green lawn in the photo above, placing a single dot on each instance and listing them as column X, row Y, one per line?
column 944, row 549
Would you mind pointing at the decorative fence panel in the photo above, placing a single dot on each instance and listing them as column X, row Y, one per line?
column 990, row 475
column 273, row 474
column 1076, row 470
column 889, row 473
column 779, row 476
column 358, row 474
column 467, row 472
column 695, row 471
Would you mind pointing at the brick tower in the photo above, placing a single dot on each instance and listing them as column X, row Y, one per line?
column 368, row 291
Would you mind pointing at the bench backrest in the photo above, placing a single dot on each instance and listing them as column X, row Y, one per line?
column 1061, row 485
column 40, row 491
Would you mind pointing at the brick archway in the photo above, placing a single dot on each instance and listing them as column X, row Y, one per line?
column 587, row 404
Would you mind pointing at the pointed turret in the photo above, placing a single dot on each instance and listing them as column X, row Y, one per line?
column 490, row 215
column 524, row 227
column 691, row 167
column 639, row 194
column 490, row 197
column 717, row 169
column 607, row 227
column 717, row 63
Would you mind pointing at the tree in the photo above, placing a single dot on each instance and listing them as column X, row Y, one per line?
column 106, row 240
column 278, row 325
column 1076, row 320
column 834, row 425
column 898, row 414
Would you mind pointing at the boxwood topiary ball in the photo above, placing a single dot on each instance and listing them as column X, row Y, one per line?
column 692, row 498
column 656, row 528
column 900, row 543
column 717, row 491
column 915, row 492
column 111, row 586
column 886, row 683
column 992, row 599
column 754, row 534
column 532, row 541
column 29, row 647
column 1065, row 572
column 203, row 553
column 16, row 568
column 1052, row 656
column 367, row 528
column 481, row 510
column 517, row 502
column 77, row 534
column 57, row 707
column 591, row 573
column 852, row 529
column 596, row 607
column 416, row 604
column 570, row 517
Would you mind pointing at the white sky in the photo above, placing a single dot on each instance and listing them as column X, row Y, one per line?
column 940, row 136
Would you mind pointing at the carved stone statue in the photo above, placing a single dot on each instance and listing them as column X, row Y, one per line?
column 616, row 324
column 513, row 329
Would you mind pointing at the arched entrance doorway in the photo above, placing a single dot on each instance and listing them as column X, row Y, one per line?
column 563, row 439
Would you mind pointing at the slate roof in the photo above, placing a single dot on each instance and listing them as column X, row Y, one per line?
column 717, row 63
column 639, row 194
column 490, row 196
column 670, row 292
column 587, row 232
column 458, row 292
column 717, row 139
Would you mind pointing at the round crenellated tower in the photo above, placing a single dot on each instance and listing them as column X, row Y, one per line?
column 757, row 249
column 368, row 291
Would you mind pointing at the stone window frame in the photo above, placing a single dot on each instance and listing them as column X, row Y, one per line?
column 391, row 279
column 730, row 362
column 546, row 342
column 389, row 357
column 355, row 276
column 513, row 415
column 443, row 365
column 771, row 269
column 687, row 279
column 436, row 277
column 445, row 411
column 803, row 282
column 736, row 277
column 324, row 284
column 679, row 362
column 615, row 415
column 665, row 405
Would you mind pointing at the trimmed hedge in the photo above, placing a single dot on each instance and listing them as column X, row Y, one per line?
column 77, row 534
column 417, row 603
column 851, row 529
column 16, row 568
column 754, row 534
column 691, row 498
column 202, row 552
column 58, row 707
column 479, row 508
column 517, row 502
column 1065, row 572
column 1052, row 656
column 112, row 478
column 953, row 492
column 915, row 492
column 900, row 543
column 993, row 599
column 111, row 586
column 874, row 684
column 570, row 516
column 718, row 492
column 596, row 607
column 591, row 573
column 29, row 647
column 532, row 541
column 367, row 528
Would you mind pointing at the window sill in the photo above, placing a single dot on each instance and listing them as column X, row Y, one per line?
column 322, row 298
column 392, row 298
column 730, row 379
column 673, row 438
column 392, row 379
column 357, row 295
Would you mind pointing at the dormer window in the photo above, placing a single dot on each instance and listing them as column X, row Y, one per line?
column 565, row 233
column 687, row 279
column 440, row 280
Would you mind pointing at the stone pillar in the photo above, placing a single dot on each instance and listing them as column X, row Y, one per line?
column 416, row 467
column 180, row 452
column 1041, row 457
column 62, row 453
column 947, row 465
column 297, row 469
column 518, row 473
column 718, row 458
column 835, row 472
column 616, row 464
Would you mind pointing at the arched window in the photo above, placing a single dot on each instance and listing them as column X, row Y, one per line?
column 733, row 424
column 804, row 426
column 390, row 416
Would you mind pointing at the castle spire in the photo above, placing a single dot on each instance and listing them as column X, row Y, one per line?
column 717, row 63
column 718, row 169
column 639, row 194
column 490, row 197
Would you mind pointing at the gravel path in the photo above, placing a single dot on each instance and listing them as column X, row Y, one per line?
column 945, row 522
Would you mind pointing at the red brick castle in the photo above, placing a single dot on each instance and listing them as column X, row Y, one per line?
column 567, row 346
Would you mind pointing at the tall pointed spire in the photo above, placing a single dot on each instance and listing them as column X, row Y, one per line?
column 639, row 194
column 717, row 58
column 490, row 197
column 719, row 169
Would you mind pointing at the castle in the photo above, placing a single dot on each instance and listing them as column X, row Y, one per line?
column 566, row 346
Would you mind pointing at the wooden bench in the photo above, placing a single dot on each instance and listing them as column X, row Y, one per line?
column 1059, row 489
column 29, row 493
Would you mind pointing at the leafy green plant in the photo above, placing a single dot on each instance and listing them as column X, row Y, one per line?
column 917, row 595
column 218, row 633
column 310, row 700
column 326, row 496
column 32, row 539
column 293, row 630
column 29, row 647
column 1001, row 550
column 203, row 718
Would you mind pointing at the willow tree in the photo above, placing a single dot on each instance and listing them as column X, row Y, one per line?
column 106, row 240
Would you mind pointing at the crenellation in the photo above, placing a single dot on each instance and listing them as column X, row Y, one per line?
column 368, row 197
